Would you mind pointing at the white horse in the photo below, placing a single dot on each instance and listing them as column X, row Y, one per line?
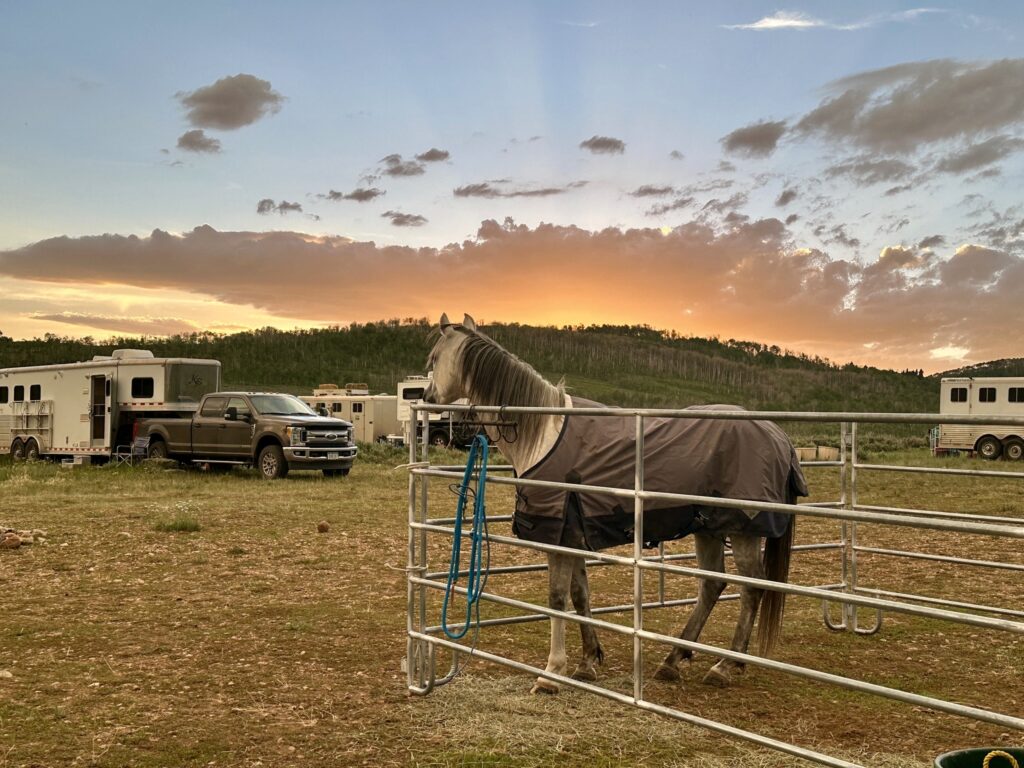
column 467, row 364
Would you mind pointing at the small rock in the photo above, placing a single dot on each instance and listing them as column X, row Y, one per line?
column 323, row 526
column 10, row 541
column 6, row 674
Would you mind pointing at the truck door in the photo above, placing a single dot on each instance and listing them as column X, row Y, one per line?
column 99, row 412
column 206, row 427
column 234, row 437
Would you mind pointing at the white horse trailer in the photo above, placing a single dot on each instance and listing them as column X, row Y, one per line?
column 989, row 396
column 374, row 417
column 90, row 408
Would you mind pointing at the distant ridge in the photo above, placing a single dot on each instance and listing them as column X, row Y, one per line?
column 618, row 365
column 1012, row 366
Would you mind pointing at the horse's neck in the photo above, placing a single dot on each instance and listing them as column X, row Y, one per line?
column 522, row 455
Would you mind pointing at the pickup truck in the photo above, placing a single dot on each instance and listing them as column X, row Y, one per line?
column 272, row 432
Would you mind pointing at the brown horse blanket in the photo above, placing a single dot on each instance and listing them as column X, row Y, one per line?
column 752, row 460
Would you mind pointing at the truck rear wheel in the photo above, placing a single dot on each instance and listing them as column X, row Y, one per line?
column 157, row 450
column 18, row 450
column 989, row 448
column 271, row 462
column 1014, row 449
column 31, row 451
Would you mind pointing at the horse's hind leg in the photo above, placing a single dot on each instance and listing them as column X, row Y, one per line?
column 592, row 651
column 710, row 557
column 746, row 551
column 559, row 578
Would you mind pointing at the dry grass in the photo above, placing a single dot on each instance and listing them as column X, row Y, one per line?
column 257, row 641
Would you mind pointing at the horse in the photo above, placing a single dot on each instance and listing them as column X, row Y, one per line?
column 465, row 363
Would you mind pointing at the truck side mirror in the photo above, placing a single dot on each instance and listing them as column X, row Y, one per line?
column 231, row 414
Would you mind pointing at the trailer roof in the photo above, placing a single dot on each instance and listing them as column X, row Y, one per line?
column 111, row 362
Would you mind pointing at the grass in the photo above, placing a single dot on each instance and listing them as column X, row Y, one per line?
column 261, row 641
column 180, row 524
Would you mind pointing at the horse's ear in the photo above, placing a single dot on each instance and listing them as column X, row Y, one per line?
column 469, row 323
column 444, row 324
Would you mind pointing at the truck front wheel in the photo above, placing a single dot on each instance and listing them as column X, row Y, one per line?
column 271, row 462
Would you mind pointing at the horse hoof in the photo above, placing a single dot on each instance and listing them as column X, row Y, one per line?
column 716, row 678
column 668, row 674
column 544, row 686
column 586, row 674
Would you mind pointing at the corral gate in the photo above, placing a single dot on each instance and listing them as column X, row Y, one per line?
column 425, row 636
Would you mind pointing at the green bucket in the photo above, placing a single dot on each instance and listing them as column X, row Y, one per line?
column 975, row 758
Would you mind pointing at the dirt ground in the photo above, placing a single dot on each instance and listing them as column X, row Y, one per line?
column 257, row 641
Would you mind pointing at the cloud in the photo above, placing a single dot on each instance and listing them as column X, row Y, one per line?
column 718, row 205
column 433, row 155
column 394, row 165
column 902, row 108
column 797, row 20
column 230, row 103
column 678, row 204
column 488, row 189
column 267, row 206
column 791, row 219
column 743, row 282
column 786, row 197
column 144, row 326
column 651, row 190
column 757, row 140
column 724, row 166
column 196, row 140
column 865, row 170
column 977, row 156
column 359, row 194
column 604, row 145
column 932, row 241
column 675, row 154
column 404, row 219
column 893, row 191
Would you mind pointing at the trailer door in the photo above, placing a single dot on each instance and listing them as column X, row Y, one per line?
column 100, row 412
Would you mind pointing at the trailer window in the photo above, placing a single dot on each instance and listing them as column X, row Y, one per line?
column 142, row 387
column 357, row 407
column 1016, row 395
column 987, row 395
column 336, row 407
column 4, row 394
column 35, row 393
column 958, row 395
column 413, row 394
column 19, row 394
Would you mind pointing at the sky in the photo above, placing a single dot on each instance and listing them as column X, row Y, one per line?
column 838, row 179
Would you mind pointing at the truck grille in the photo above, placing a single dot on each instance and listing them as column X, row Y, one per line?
column 327, row 437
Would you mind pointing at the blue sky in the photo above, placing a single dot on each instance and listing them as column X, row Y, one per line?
column 96, row 96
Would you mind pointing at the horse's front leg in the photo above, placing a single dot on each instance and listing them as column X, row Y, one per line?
column 559, row 580
column 593, row 654
column 746, row 552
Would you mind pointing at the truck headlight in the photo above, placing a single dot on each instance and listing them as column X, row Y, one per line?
column 295, row 435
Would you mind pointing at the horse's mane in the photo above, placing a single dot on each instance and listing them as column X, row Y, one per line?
column 495, row 376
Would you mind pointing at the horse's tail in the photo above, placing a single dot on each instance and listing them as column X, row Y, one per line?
column 773, row 604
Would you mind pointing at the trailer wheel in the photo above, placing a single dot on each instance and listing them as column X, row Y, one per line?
column 271, row 462
column 18, row 450
column 989, row 448
column 157, row 450
column 31, row 451
column 1014, row 449
column 439, row 438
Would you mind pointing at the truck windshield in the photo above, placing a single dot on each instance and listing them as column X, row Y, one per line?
column 280, row 405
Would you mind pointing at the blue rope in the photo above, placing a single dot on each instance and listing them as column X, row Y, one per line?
column 476, row 579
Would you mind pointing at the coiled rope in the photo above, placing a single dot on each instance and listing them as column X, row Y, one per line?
column 480, row 548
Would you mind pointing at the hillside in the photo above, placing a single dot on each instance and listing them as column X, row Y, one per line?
column 1013, row 366
column 619, row 365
